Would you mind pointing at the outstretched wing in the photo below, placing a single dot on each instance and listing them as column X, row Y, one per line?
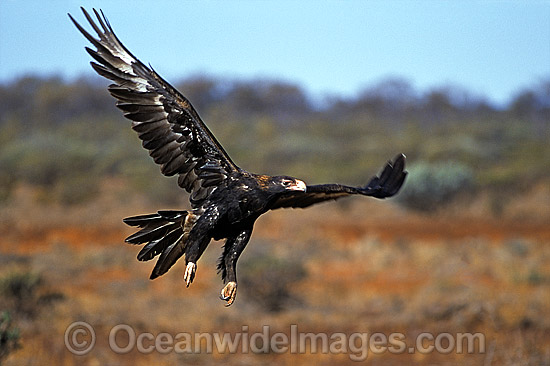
column 165, row 121
column 385, row 185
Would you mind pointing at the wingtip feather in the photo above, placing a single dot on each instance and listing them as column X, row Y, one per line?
column 390, row 180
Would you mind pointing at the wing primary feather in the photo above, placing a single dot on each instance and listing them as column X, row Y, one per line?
column 174, row 165
column 131, row 96
column 91, row 21
column 109, row 74
column 157, row 139
column 143, row 127
column 166, row 122
column 163, row 154
column 105, row 29
column 103, row 55
column 141, row 108
column 85, row 33
column 146, row 116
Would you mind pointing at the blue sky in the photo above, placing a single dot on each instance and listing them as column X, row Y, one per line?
column 492, row 48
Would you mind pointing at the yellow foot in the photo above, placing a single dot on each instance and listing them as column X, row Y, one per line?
column 229, row 292
column 189, row 273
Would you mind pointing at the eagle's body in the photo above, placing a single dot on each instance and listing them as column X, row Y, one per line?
column 225, row 199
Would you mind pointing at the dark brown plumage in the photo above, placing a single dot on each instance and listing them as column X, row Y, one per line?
column 225, row 199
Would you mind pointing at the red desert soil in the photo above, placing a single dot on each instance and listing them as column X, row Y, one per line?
column 429, row 229
column 339, row 230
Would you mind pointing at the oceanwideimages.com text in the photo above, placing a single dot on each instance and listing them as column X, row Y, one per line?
column 80, row 339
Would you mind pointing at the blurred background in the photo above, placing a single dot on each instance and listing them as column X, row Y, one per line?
column 324, row 91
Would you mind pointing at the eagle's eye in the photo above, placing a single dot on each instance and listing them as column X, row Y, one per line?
column 287, row 182
column 293, row 184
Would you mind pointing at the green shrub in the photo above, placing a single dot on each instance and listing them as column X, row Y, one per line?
column 76, row 189
column 146, row 179
column 7, row 183
column 433, row 185
column 26, row 293
column 9, row 336
column 66, row 168
column 267, row 280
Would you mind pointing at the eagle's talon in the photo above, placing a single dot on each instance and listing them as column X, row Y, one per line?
column 229, row 292
column 189, row 273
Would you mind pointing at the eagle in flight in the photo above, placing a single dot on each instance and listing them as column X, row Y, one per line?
column 225, row 199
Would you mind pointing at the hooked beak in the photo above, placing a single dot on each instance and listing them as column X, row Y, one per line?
column 299, row 186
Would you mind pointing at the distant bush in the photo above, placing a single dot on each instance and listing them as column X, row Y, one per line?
column 267, row 280
column 26, row 293
column 145, row 177
column 7, row 183
column 432, row 185
column 76, row 189
column 66, row 137
column 66, row 168
column 9, row 336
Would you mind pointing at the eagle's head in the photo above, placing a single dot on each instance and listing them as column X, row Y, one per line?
column 280, row 184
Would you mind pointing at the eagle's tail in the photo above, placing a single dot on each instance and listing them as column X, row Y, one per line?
column 164, row 234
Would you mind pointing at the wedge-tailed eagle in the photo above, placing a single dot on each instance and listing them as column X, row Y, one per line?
column 225, row 199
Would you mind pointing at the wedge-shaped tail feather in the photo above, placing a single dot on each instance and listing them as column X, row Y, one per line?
column 164, row 233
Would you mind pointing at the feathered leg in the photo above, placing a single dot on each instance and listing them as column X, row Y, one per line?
column 199, row 238
column 227, row 265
